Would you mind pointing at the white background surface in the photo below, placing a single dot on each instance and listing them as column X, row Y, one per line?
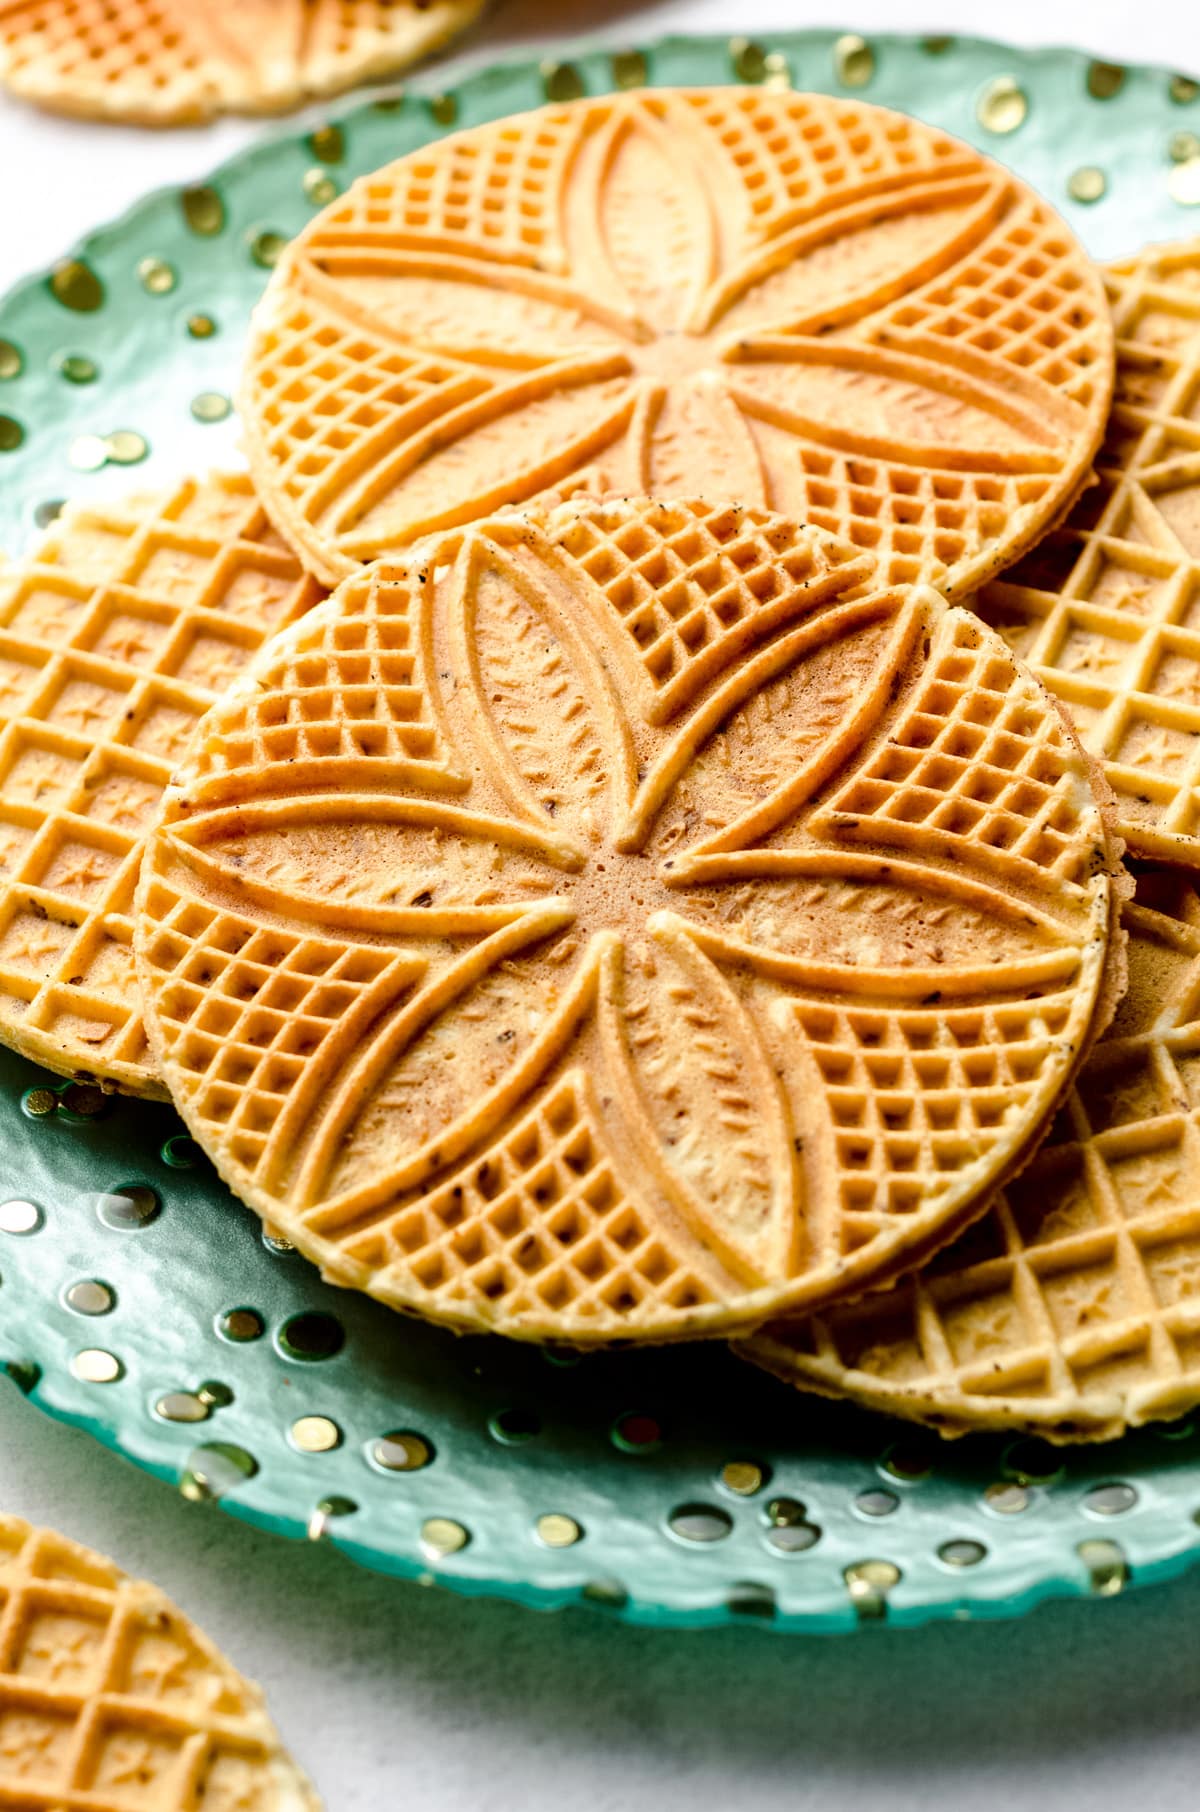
column 396, row 1698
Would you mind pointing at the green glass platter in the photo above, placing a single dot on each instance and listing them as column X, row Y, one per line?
column 139, row 1301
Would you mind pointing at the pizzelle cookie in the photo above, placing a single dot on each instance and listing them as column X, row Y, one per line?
column 805, row 303
column 167, row 62
column 1107, row 609
column 1073, row 1309
column 618, row 922
column 111, row 1700
column 115, row 638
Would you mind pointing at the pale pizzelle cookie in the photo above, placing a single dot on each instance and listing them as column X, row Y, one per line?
column 166, row 62
column 115, row 638
column 611, row 923
column 1107, row 609
column 798, row 301
column 1073, row 1309
column 112, row 1701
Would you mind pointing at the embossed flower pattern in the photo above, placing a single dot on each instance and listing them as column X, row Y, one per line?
column 626, row 916
column 804, row 303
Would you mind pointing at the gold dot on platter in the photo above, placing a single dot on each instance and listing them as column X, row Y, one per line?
column 1183, row 89
column 1183, row 146
column 1184, row 183
column 94, row 1366
column 962, row 1553
column 182, row 1406
column 562, row 81
column 749, row 59
column 1006, row 1499
column 215, row 1394
column 1108, row 1569
column 744, row 1477
column 210, row 406
column 315, row 1434
column 84, row 1100
column 242, row 1324
column 11, row 362
column 78, row 369
column 869, row 1582
column 937, row 46
column 320, row 187
column 853, row 61
column 40, row 1102
column 274, row 1241
column 444, row 108
column 20, row 1217
column 266, row 247
column 630, row 69
column 441, row 1536
column 1104, row 80
column 128, row 1208
column 327, row 1513
column 557, row 1531
column 214, row 1469
column 157, row 276
column 201, row 327
column 402, row 1452
column 1002, row 106
column 882, row 1575
column 779, row 72
column 90, row 1297
column 125, row 447
column 1088, row 183
column 76, row 285
column 87, row 453
column 203, row 210
column 48, row 511
column 11, row 434
column 328, row 144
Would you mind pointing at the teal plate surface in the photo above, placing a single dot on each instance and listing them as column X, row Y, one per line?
column 677, row 1487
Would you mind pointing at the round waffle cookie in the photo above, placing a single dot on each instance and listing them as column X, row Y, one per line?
column 1073, row 1309
column 1106, row 610
column 619, row 922
column 110, row 1699
column 115, row 638
column 805, row 303
column 166, row 62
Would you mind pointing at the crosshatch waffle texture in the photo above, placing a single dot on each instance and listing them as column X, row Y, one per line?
column 115, row 638
column 165, row 62
column 1073, row 1309
column 809, row 304
column 111, row 1701
column 618, row 922
column 1107, row 609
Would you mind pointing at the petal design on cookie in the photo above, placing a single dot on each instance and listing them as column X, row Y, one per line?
column 700, row 1103
column 622, row 916
column 812, row 305
column 842, row 266
column 658, row 262
column 537, row 700
column 504, row 446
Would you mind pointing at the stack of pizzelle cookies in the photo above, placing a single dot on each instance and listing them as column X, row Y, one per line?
column 672, row 886
column 172, row 62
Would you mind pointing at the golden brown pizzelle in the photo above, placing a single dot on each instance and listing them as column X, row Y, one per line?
column 116, row 636
column 1073, row 1309
column 623, row 921
column 804, row 302
column 172, row 62
column 1106, row 610
column 111, row 1699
